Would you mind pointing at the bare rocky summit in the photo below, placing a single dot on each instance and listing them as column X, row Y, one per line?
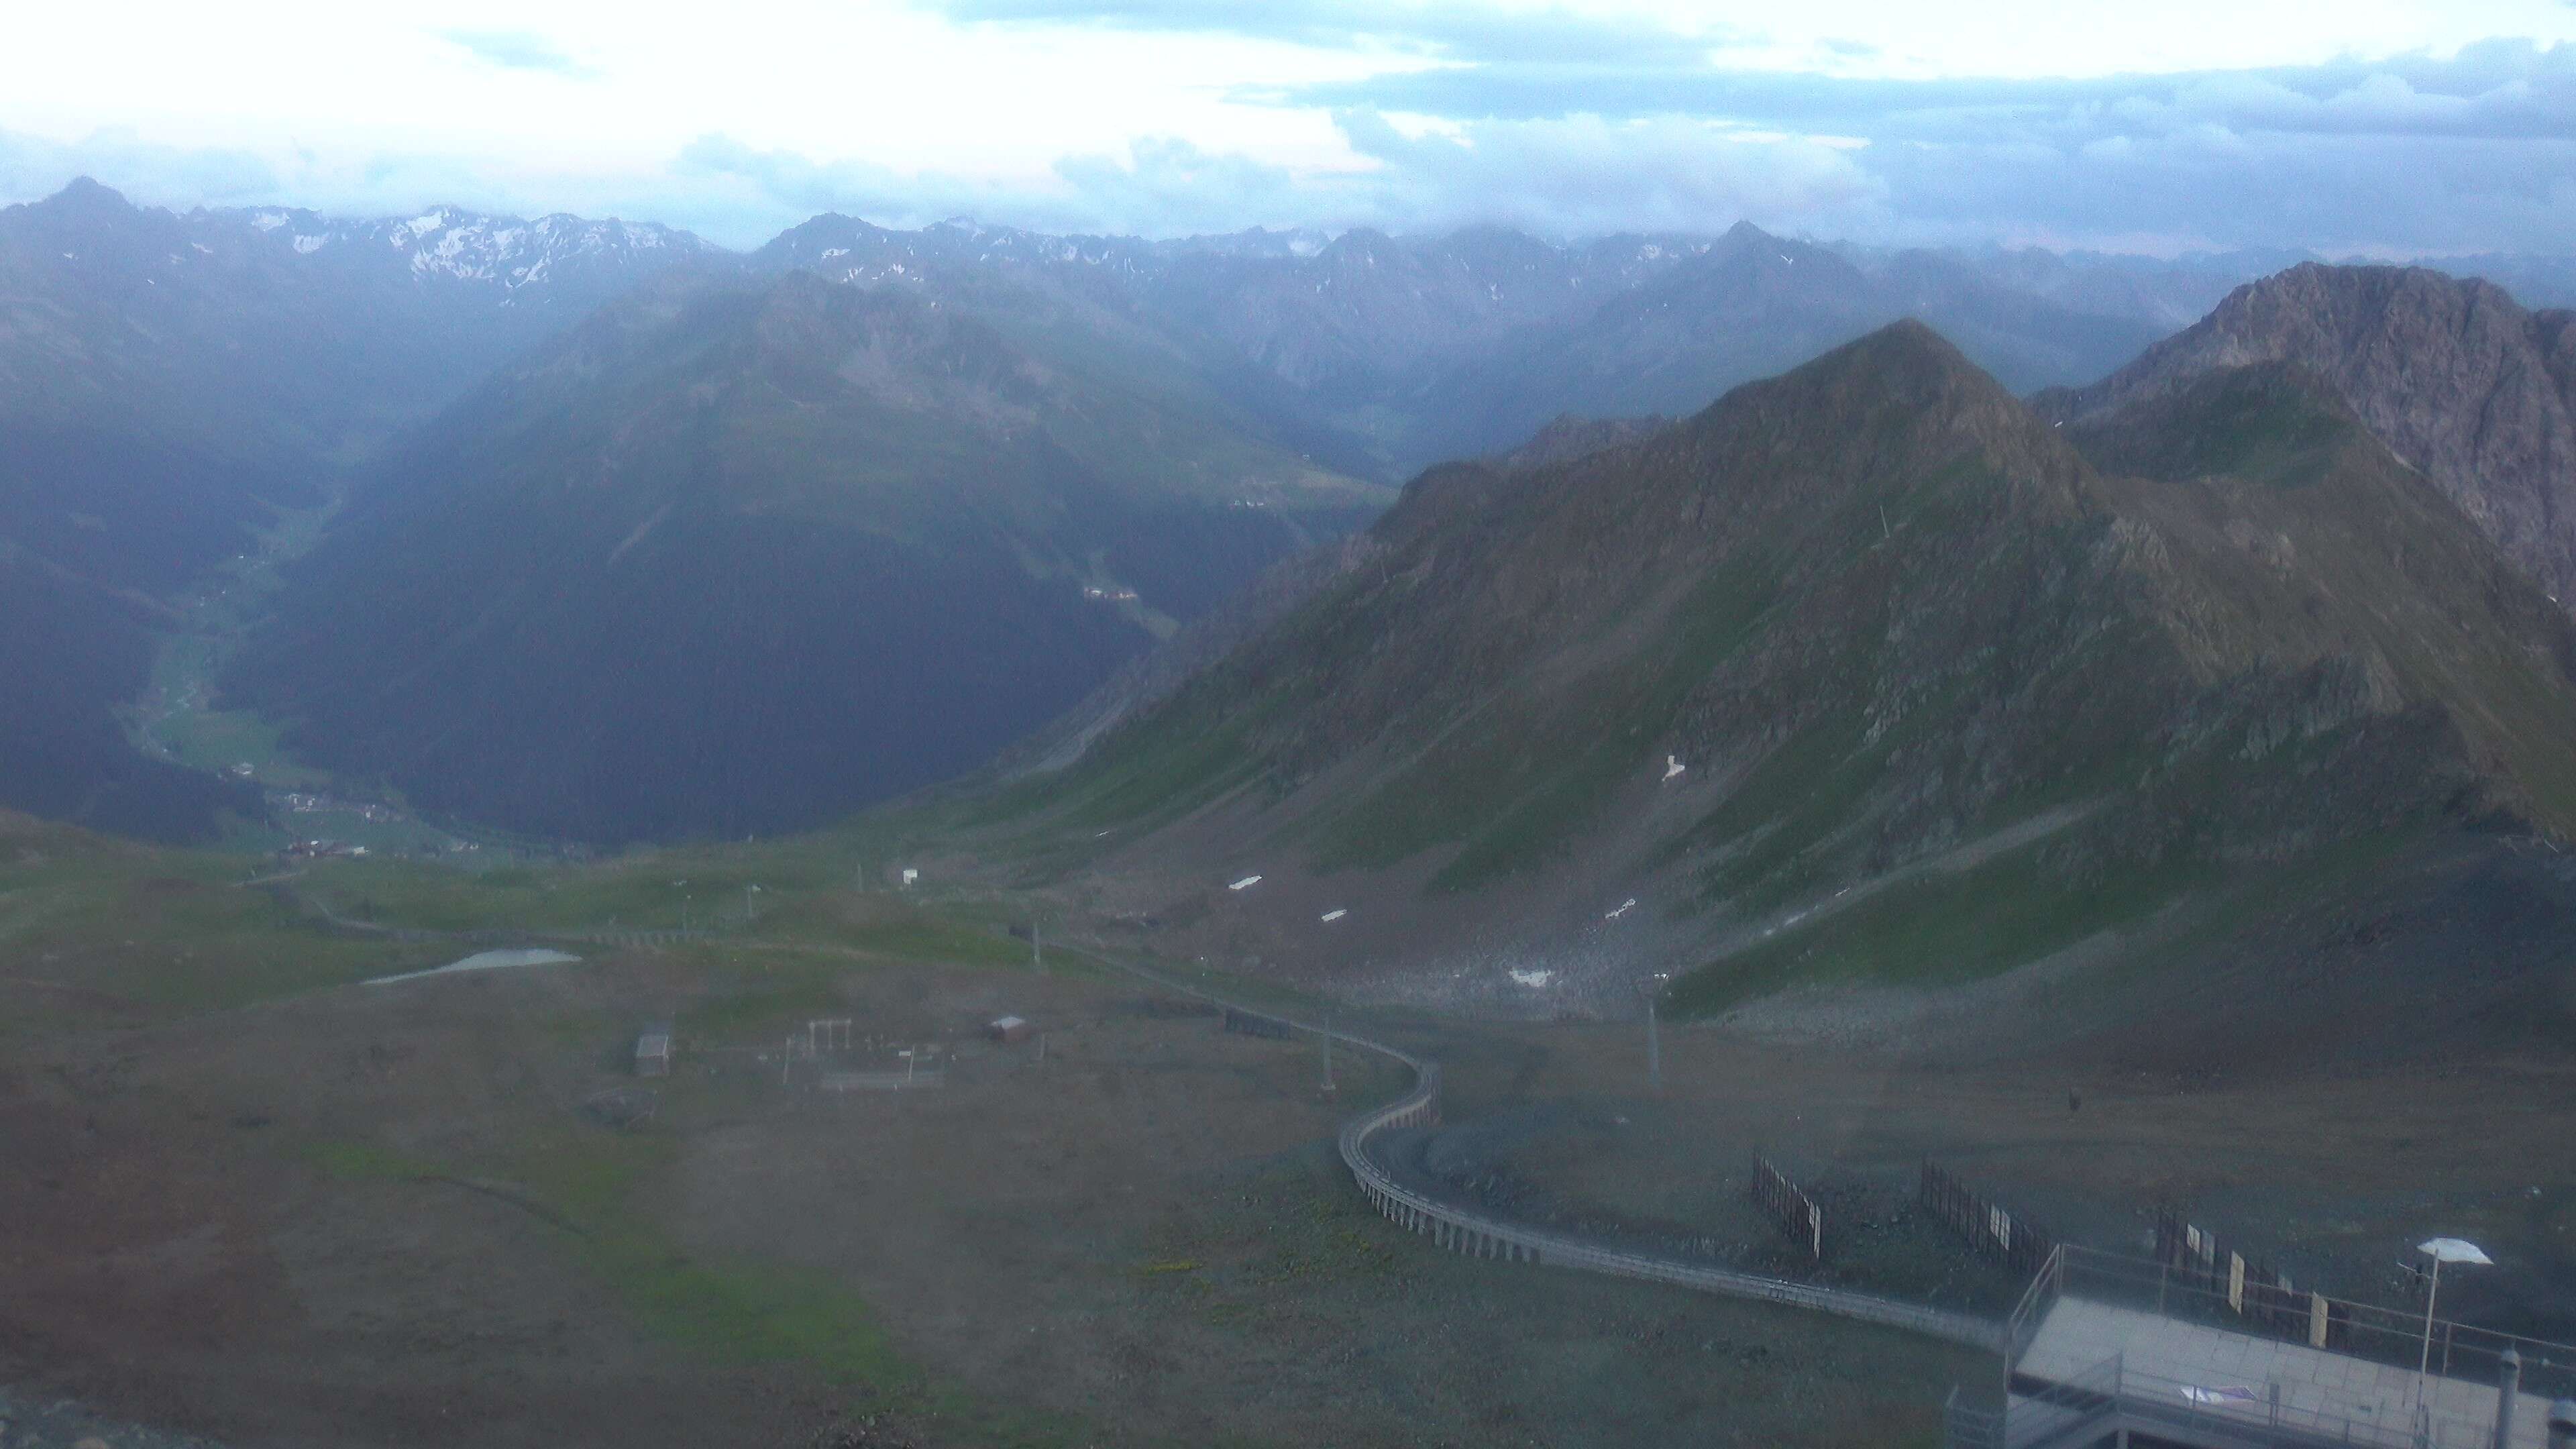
column 2469, row 388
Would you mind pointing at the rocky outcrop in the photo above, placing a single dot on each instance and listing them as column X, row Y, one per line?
column 2457, row 378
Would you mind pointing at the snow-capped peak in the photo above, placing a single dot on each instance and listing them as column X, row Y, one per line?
column 447, row 243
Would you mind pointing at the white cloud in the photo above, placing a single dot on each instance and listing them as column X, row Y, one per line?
column 2400, row 125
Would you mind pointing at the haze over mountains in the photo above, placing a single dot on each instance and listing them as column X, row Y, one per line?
column 741, row 555
column 1382, row 355
column 643, row 539
column 167, row 381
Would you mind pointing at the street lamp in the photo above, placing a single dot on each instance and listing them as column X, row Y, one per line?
column 2441, row 1250
column 1653, row 987
column 683, row 888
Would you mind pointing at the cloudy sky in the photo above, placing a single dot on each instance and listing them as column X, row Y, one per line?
column 2395, row 127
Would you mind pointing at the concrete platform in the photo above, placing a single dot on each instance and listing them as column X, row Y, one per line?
column 2322, row 1395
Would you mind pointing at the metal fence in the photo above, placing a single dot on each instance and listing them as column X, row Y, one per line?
column 2369, row 1331
column 1967, row 1426
column 2084, row 1406
column 1479, row 1234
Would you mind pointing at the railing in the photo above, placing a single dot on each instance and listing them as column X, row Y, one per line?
column 2045, row 1413
column 2075, row 1410
column 1469, row 1231
column 2066, row 1410
column 1965, row 1426
column 1479, row 1234
column 2023, row 1322
column 2360, row 1330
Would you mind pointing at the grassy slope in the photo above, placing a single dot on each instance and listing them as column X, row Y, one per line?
column 1514, row 785
column 98, row 932
column 93, row 928
column 2285, row 514
column 2253, row 644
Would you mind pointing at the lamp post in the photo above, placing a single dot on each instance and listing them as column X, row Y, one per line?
column 1652, row 987
column 683, row 888
column 750, row 904
column 2441, row 1250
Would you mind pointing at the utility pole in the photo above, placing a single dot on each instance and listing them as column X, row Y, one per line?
column 1653, row 987
column 1037, row 946
column 1328, row 1053
column 750, row 905
column 1654, row 1048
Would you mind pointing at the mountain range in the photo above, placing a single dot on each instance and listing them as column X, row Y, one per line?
column 744, row 554
column 948, row 480
column 2468, row 387
column 1874, row 643
column 167, row 383
column 1381, row 355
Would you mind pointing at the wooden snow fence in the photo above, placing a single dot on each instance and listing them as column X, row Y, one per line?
column 1790, row 1207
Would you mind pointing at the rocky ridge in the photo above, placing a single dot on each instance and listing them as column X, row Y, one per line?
column 1873, row 617
column 2465, row 384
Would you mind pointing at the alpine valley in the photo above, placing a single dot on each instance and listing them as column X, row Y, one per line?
column 938, row 838
column 592, row 532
